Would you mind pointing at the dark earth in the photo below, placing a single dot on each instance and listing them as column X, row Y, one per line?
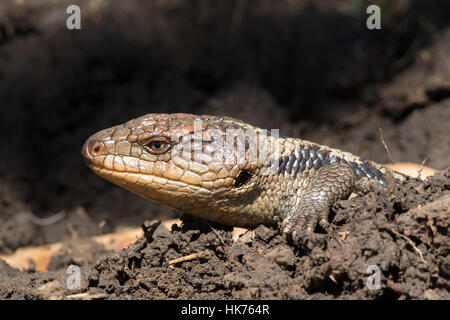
column 310, row 68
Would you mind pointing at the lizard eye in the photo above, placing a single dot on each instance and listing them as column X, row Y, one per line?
column 157, row 145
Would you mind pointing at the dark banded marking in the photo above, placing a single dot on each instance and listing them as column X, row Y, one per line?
column 303, row 159
column 311, row 157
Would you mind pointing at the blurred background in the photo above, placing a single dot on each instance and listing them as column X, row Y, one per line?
column 308, row 67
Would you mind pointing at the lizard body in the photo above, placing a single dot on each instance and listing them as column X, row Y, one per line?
column 191, row 164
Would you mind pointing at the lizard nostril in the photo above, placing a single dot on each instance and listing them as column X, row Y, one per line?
column 92, row 148
column 96, row 150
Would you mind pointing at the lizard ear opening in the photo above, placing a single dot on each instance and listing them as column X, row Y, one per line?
column 242, row 178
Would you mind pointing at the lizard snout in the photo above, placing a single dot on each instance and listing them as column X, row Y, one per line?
column 91, row 149
column 94, row 147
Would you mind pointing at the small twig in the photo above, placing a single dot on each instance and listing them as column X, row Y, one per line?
column 49, row 220
column 419, row 173
column 388, row 172
column 218, row 236
column 87, row 296
column 385, row 145
column 431, row 225
column 332, row 278
column 411, row 244
column 189, row 257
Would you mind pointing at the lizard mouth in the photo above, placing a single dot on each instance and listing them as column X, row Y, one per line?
column 136, row 181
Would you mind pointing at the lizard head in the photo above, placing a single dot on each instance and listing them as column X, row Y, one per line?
column 179, row 160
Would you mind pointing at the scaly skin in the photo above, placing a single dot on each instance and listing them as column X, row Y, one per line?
column 295, row 184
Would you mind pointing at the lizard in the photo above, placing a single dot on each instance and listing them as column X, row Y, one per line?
column 229, row 172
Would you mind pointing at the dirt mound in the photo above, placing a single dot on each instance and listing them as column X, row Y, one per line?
column 401, row 232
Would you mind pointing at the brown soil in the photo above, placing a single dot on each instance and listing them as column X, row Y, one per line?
column 309, row 68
